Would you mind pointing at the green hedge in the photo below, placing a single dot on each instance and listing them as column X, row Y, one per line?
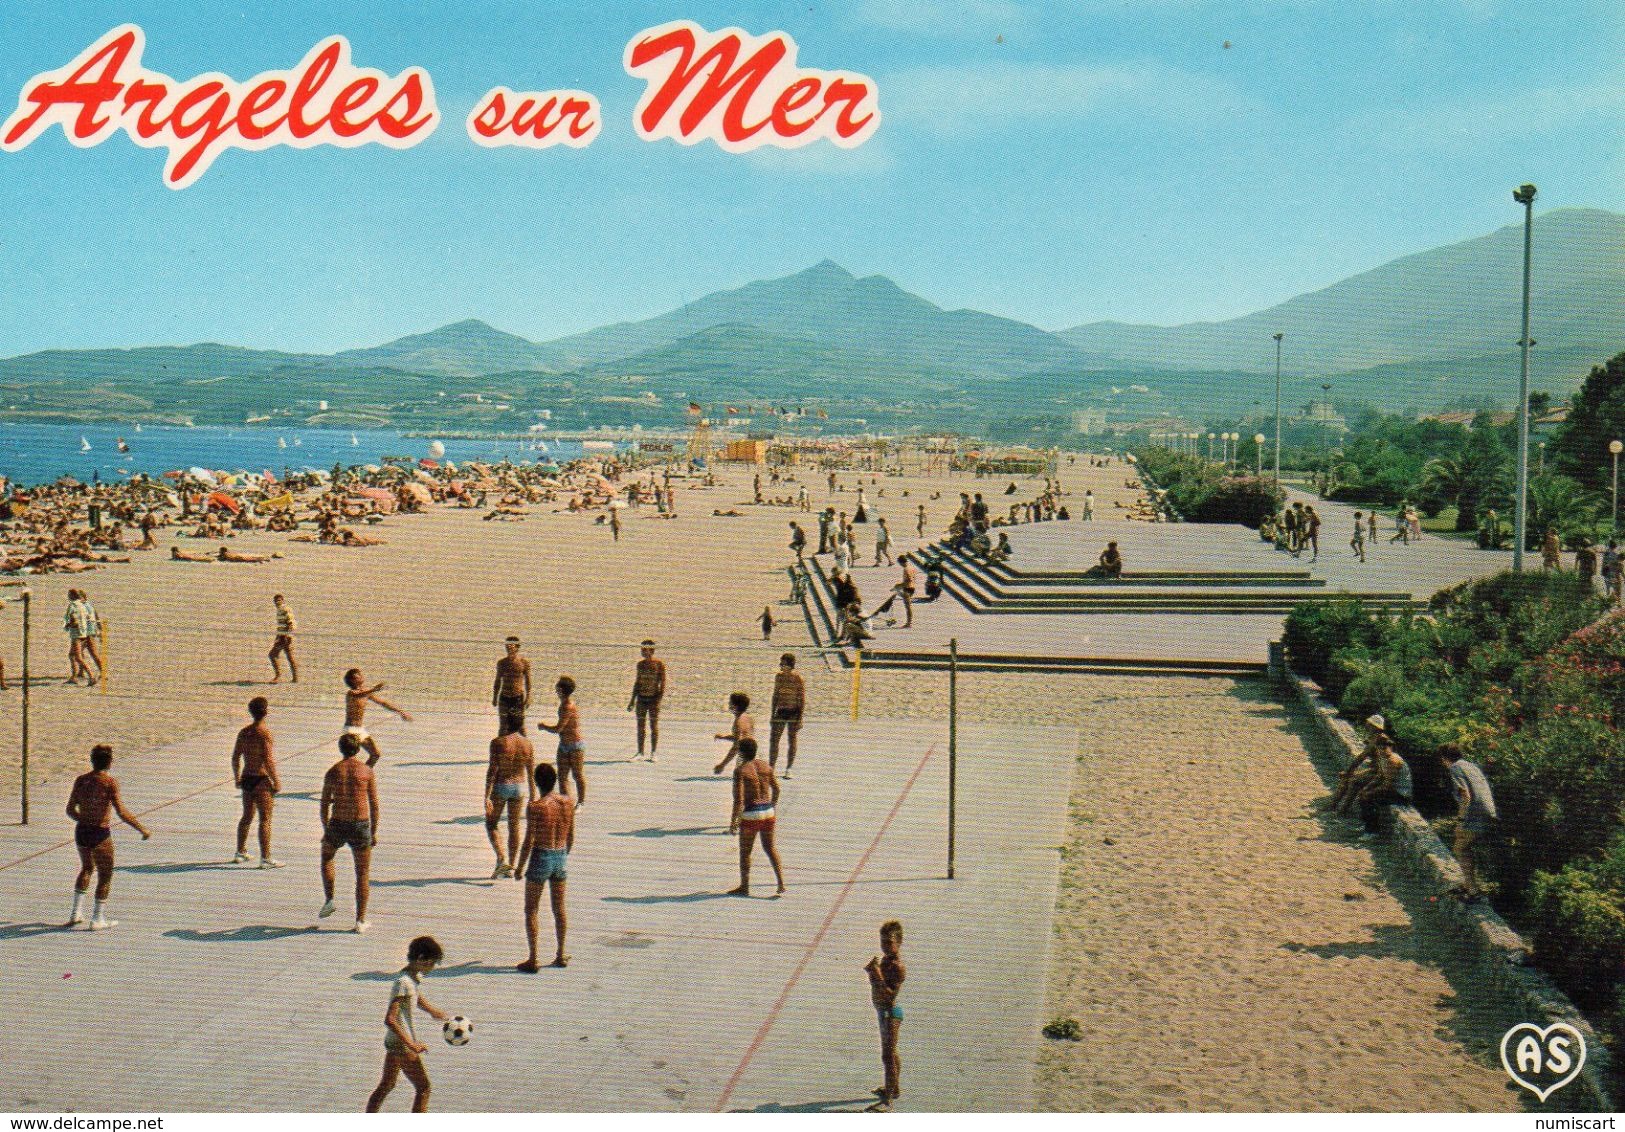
column 1525, row 673
column 1204, row 491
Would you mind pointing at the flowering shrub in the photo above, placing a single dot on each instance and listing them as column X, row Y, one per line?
column 1526, row 674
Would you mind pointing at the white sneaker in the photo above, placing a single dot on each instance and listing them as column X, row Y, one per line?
column 240, row 859
column 102, row 924
column 327, row 910
column 653, row 759
column 786, row 776
column 270, row 863
column 361, row 927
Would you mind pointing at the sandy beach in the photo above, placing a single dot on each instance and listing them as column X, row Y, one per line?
column 427, row 613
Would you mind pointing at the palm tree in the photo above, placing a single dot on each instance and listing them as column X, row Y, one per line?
column 1561, row 502
column 1465, row 479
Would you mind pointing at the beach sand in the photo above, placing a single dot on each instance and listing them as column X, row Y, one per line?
column 1225, row 947
column 428, row 611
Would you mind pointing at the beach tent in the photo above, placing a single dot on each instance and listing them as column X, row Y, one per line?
column 277, row 503
column 381, row 498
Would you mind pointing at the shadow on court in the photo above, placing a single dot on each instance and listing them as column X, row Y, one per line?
column 656, row 831
column 23, row 931
column 166, row 867
column 470, row 968
column 685, row 898
column 251, row 933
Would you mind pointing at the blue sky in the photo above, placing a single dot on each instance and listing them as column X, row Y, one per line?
column 1058, row 163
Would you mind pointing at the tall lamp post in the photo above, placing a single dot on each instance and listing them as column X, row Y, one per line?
column 1524, row 195
column 1542, row 470
column 1258, row 445
column 1326, row 438
column 1615, row 447
column 1278, row 337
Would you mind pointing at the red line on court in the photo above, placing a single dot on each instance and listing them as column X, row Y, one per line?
column 817, row 940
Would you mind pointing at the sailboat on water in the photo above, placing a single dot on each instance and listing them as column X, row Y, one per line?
column 297, row 442
column 138, row 426
column 84, row 445
column 354, row 442
column 280, row 443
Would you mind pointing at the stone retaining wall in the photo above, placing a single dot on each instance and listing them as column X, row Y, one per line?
column 1502, row 956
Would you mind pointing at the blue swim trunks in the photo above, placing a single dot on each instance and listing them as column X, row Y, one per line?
column 546, row 865
column 507, row 792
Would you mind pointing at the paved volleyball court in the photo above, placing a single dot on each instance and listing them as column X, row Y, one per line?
column 217, row 991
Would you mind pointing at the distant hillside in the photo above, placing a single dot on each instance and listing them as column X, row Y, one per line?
column 1460, row 301
column 1424, row 331
column 463, row 349
column 827, row 304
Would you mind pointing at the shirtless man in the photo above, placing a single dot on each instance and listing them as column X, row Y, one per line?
column 571, row 749
column 283, row 644
column 349, row 814
column 92, row 803
column 648, row 689
column 253, row 769
column 789, row 700
column 756, row 793
column 507, row 781
column 550, row 834
column 356, row 696
column 176, row 554
column 743, row 728
column 510, row 691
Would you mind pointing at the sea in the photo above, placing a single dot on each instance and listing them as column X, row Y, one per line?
column 34, row 453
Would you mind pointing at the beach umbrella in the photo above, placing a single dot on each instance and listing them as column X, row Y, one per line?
column 437, row 450
column 223, row 501
column 201, row 474
column 428, row 463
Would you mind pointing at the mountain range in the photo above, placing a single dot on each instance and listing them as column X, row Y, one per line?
column 1420, row 331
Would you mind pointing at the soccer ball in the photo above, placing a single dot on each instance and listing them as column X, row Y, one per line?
column 458, row 1031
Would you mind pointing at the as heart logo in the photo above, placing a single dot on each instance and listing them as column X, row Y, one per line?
column 1543, row 1061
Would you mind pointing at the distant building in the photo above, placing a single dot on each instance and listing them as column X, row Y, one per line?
column 1089, row 422
column 1469, row 417
column 745, row 452
column 1322, row 414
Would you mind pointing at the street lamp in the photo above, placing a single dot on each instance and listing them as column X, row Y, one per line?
column 1326, row 438
column 1258, row 443
column 1210, row 446
column 1542, row 470
column 1278, row 337
column 1524, row 195
column 1615, row 447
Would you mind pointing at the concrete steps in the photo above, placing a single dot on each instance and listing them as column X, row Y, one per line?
column 1100, row 666
column 976, row 586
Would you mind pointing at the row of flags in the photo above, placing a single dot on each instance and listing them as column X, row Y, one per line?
column 787, row 413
